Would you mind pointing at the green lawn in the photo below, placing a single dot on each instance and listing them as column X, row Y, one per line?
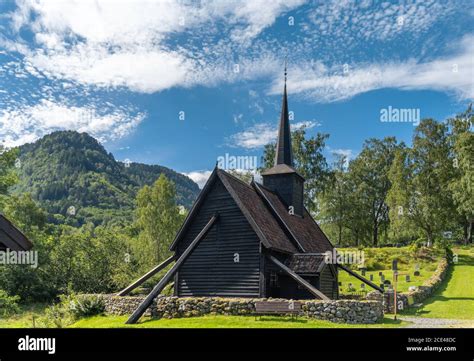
column 402, row 284
column 380, row 260
column 225, row 322
column 455, row 297
column 25, row 320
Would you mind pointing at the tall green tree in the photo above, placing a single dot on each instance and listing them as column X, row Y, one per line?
column 308, row 160
column 430, row 203
column 334, row 201
column 369, row 174
column 158, row 219
column 398, row 198
column 461, row 184
column 88, row 260
column 8, row 176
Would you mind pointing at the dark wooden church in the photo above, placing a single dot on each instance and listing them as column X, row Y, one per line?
column 261, row 227
column 250, row 240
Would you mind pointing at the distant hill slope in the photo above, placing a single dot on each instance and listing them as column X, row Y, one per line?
column 68, row 169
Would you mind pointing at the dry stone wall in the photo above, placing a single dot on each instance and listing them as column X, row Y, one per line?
column 340, row 311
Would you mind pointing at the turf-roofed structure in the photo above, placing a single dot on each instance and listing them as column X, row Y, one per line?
column 250, row 240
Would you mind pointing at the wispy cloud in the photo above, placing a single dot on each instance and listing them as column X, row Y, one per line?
column 320, row 83
column 261, row 134
column 25, row 125
column 74, row 49
column 130, row 43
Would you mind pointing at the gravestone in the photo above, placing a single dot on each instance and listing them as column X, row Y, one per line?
column 407, row 278
column 363, row 270
column 380, row 274
column 362, row 286
column 395, row 265
column 417, row 269
column 382, row 278
column 371, row 277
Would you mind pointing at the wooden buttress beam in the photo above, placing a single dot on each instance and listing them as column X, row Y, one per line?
column 299, row 279
column 147, row 276
column 169, row 275
column 358, row 276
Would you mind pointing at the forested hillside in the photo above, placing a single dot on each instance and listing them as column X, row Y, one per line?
column 69, row 172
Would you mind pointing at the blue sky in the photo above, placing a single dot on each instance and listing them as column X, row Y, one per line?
column 128, row 72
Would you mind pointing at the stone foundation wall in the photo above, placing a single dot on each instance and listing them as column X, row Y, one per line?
column 345, row 311
column 407, row 299
column 125, row 305
column 341, row 311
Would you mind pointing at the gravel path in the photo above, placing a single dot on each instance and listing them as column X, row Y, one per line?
column 420, row 322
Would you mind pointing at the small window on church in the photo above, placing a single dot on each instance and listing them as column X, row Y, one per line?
column 273, row 279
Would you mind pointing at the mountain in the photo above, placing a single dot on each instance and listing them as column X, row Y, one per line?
column 74, row 178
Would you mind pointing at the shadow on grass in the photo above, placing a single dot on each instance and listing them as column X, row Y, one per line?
column 389, row 321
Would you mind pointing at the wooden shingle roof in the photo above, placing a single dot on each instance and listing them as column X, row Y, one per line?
column 253, row 207
column 268, row 216
column 306, row 263
column 305, row 229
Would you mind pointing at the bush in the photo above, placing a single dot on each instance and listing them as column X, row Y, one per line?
column 71, row 308
column 8, row 304
column 86, row 306
column 56, row 316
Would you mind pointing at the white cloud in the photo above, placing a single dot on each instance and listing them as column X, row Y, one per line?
column 306, row 124
column 199, row 177
column 133, row 44
column 109, row 44
column 25, row 125
column 257, row 15
column 140, row 70
column 255, row 137
column 451, row 74
column 348, row 153
column 263, row 133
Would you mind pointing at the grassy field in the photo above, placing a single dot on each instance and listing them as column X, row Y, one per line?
column 25, row 318
column 380, row 260
column 455, row 297
column 225, row 322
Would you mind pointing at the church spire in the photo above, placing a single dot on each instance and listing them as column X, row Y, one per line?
column 284, row 153
column 282, row 178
